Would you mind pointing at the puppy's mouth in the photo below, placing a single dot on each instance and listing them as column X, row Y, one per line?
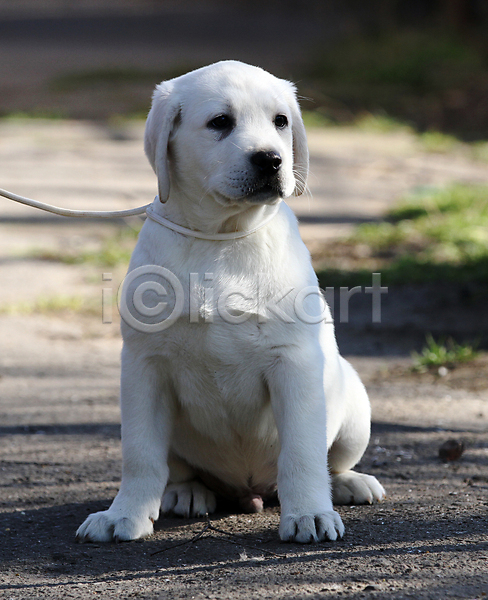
column 262, row 193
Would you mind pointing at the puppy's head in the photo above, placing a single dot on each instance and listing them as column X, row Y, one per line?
column 229, row 131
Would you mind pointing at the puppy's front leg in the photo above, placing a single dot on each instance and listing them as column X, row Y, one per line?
column 146, row 423
column 304, row 489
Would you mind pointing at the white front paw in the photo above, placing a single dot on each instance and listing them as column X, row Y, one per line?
column 188, row 499
column 108, row 526
column 306, row 529
column 356, row 488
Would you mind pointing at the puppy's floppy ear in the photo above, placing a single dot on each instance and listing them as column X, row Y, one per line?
column 300, row 147
column 160, row 122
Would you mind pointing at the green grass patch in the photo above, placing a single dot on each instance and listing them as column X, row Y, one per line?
column 53, row 304
column 479, row 151
column 381, row 123
column 41, row 115
column 442, row 353
column 315, row 118
column 447, row 226
column 438, row 142
column 434, row 235
column 371, row 122
column 114, row 250
column 431, row 141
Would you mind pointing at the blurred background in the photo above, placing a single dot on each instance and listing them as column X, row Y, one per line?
column 420, row 61
column 395, row 99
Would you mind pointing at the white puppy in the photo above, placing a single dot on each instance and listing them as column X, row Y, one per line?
column 234, row 383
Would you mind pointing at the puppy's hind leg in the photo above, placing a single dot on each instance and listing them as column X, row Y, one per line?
column 184, row 495
column 350, row 487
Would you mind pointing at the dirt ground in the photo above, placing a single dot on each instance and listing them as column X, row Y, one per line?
column 59, row 416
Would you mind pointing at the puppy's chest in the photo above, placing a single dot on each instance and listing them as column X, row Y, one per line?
column 234, row 326
column 221, row 355
column 221, row 389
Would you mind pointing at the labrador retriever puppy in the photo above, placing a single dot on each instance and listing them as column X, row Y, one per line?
column 232, row 382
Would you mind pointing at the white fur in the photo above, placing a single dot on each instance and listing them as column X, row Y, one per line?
column 263, row 401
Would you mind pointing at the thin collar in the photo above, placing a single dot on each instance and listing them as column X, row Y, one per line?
column 216, row 237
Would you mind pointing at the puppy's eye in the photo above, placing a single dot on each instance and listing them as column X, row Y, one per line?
column 220, row 123
column 281, row 121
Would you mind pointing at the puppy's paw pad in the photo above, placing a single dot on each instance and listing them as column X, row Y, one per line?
column 106, row 526
column 306, row 529
column 188, row 499
column 356, row 488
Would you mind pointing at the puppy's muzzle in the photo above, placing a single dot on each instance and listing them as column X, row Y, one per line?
column 267, row 163
column 266, row 182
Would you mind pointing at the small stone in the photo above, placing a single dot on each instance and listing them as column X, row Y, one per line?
column 451, row 450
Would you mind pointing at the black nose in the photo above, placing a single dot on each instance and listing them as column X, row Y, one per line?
column 268, row 163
